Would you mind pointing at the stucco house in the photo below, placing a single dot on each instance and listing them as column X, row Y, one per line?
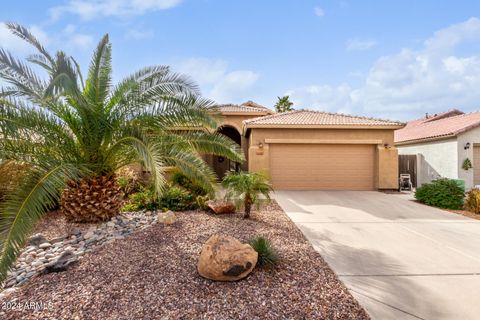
column 312, row 150
column 442, row 143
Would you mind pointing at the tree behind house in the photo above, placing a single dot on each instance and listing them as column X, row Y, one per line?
column 283, row 104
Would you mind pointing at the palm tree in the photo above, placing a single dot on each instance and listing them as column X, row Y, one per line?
column 75, row 134
column 283, row 104
column 245, row 188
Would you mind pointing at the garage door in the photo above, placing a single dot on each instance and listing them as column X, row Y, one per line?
column 322, row 166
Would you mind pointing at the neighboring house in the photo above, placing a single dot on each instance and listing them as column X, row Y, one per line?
column 441, row 144
column 310, row 150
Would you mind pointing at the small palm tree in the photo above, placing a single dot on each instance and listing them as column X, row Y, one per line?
column 245, row 188
column 283, row 104
column 75, row 134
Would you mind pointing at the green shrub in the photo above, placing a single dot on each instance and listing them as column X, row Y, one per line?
column 472, row 202
column 267, row 254
column 144, row 198
column 173, row 198
column 178, row 199
column 128, row 180
column 202, row 202
column 442, row 193
column 181, row 180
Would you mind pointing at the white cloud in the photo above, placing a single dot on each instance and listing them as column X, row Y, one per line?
column 216, row 81
column 411, row 82
column 91, row 9
column 74, row 39
column 135, row 34
column 323, row 97
column 359, row 44
column 234, row 86
column 319, row 12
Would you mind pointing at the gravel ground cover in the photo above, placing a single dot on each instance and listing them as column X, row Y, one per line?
column 152, row 275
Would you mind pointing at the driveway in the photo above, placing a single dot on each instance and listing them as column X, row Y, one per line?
column 400, row 259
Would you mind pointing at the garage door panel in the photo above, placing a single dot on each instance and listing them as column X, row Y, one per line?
column 323, row 167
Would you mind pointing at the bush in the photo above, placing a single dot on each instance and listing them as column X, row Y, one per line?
column 128, row 180
column 267, row 254
column 442, row 193
column 181, row 180
column 144, row 198
column 173, row 198
column 178, row 199
column 202, row 202
column 472, row 203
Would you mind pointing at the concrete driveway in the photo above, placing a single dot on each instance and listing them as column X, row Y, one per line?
column 400, row 259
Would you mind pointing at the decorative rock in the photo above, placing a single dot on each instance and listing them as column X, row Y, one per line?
column 45, row 245
column 40, row 253
column 221, row 207
column 65, row 261
column 58, row 240
column 166, row 217
column 37, row 240
column 88, row 235
column 224, row 258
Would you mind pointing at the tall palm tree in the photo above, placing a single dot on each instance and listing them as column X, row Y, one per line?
column 75, row 134
column 245, row 188
column 283, row 104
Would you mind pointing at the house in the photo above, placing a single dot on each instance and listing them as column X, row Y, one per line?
column 311, row 150
column 442, row 144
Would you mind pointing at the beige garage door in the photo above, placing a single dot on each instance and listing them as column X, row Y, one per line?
column 322, row 166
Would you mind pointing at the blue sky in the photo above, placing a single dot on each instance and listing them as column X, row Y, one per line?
column 390, row 59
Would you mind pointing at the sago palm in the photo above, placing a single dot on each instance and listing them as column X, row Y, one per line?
column 75, row 134
column 245, row 188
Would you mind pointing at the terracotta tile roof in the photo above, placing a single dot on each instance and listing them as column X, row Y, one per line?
column 309, row 117
column 248, row 106
column 446, row 124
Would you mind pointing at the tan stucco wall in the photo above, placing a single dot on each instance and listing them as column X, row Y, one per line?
column 235, row 121
column 386, row 162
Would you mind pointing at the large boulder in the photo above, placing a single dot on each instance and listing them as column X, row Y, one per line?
column 220, row 207
column 224, row 258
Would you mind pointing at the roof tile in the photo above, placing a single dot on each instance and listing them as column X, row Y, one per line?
column 248, row 106
column 310, row 117
column 431, row 128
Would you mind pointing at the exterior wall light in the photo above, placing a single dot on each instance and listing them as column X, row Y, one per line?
column 467, row 146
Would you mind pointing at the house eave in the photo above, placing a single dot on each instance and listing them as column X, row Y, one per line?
column 322, row 126
column 423, row 140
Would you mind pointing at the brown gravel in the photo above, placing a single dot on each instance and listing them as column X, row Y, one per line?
column 152, row 275
column 54, row 225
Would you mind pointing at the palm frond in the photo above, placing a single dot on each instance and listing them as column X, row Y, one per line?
column 99, row 73
column 22, row 210
column 214, row 143
column 23, row 33
column 193, row 167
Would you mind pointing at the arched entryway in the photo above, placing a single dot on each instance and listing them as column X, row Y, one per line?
column 222, row 165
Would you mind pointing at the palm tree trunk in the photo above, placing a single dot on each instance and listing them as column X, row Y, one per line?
column 248, row 206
